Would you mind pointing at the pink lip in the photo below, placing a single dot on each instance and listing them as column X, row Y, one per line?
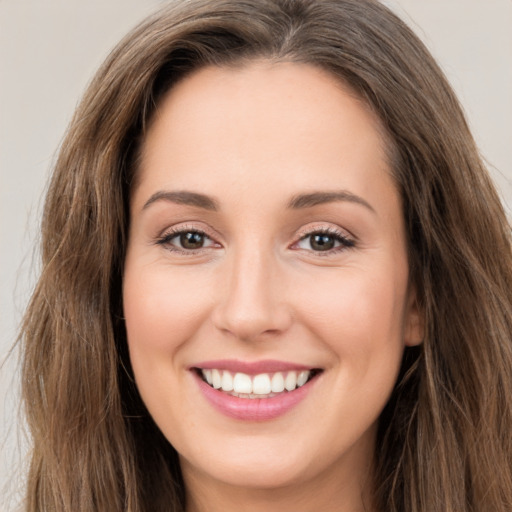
column 250, row 368
column 253, row 409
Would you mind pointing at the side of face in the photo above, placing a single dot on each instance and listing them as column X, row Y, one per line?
column 266, row 236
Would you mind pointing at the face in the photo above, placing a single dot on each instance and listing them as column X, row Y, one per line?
column 266, row 287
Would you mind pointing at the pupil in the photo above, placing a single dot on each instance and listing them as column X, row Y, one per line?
column 191, row 240
column 322, row 242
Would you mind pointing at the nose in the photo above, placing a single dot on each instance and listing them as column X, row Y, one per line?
column 252, row 304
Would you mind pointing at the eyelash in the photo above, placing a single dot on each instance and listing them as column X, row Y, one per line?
column 165, row 240
column 344, row 241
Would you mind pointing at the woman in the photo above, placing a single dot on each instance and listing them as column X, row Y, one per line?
column 275, row 275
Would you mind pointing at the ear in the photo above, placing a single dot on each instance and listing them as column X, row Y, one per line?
column 414, row 320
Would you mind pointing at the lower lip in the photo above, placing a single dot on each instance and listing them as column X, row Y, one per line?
column 254, row 409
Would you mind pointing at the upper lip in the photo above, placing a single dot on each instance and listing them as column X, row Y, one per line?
column 251, row 367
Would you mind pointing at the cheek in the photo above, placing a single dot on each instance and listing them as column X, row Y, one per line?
column 360, row 316
column 161, row 308
column 355, row 305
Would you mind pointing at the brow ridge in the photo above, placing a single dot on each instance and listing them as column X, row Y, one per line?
column 299, row 201
column 321, row 197
column 183, row 197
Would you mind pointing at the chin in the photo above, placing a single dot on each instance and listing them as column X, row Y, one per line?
column 251, row 474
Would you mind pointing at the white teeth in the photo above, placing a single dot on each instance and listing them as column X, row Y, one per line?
column 242, row 383
column 261, row 385
column 277, row 383
column 216, row 379
column 302, row 378
column 290, row 383
column 227, row 381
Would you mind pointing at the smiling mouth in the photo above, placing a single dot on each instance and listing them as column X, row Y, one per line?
column 262, row 385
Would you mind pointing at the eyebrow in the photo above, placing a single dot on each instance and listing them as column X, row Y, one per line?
column 297, row 202
column 315, row 198
column 183, row 197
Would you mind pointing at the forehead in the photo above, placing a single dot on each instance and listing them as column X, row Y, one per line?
column 285, row 123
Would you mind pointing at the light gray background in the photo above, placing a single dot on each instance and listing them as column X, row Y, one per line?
column 49, row 50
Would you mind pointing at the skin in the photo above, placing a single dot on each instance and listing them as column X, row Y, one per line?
column 252, row 138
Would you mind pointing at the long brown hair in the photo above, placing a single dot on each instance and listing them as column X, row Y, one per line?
column 445, row 437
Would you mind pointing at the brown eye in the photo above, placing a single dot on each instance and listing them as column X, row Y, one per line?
column 186, row 241
column 325, row 241
column 322, row 242
column 191, row 240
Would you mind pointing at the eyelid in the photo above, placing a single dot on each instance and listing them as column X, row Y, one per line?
column 346, row 238
column 171, row 232
column 348, row 241
column 318, row 227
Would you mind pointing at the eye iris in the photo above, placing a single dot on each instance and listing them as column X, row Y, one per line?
column 322, row 242
column 192, row 240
